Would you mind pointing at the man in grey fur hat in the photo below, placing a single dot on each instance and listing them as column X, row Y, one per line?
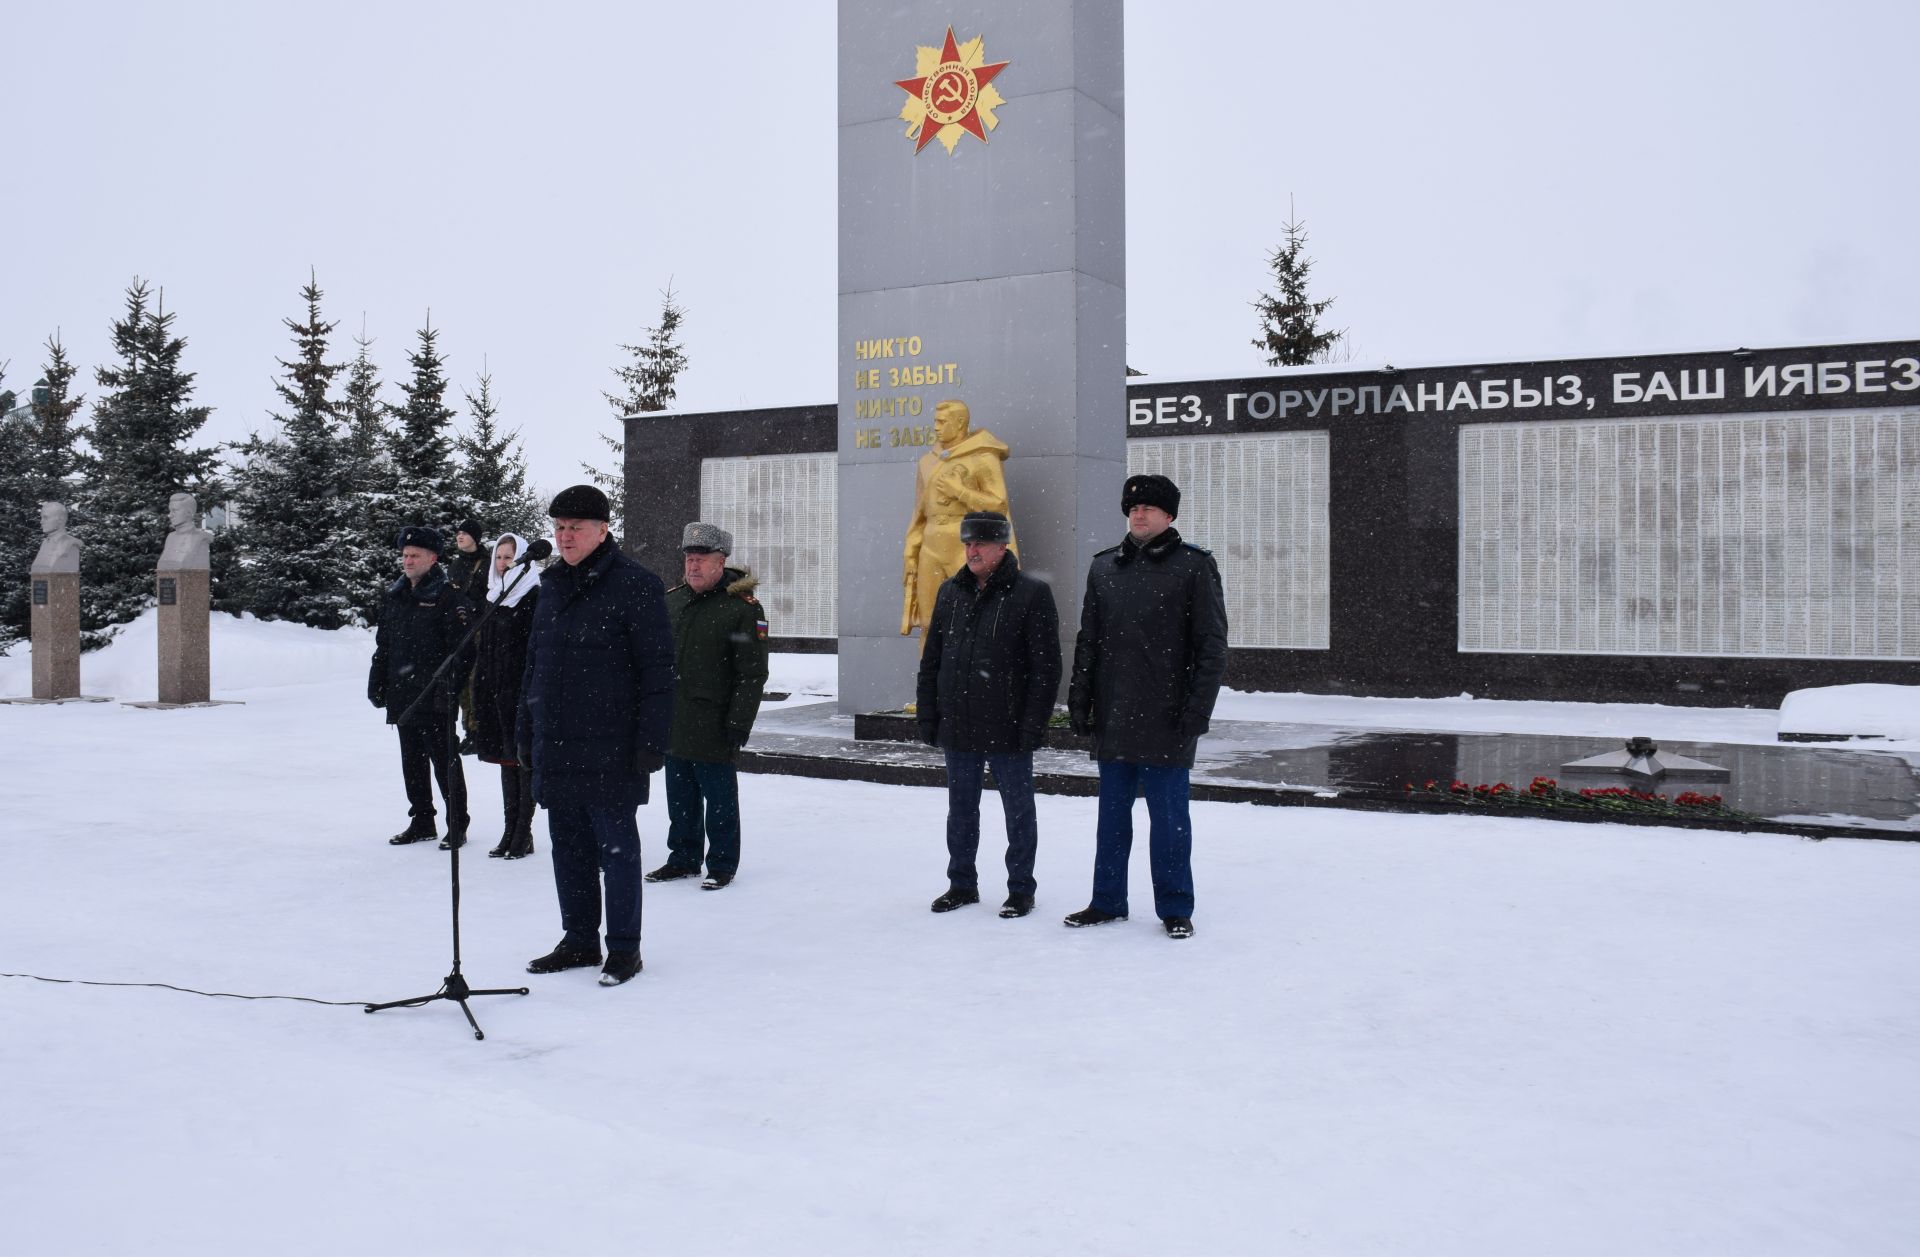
column 720, row 671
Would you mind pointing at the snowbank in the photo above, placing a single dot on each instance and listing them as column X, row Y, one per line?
column 1843, row 711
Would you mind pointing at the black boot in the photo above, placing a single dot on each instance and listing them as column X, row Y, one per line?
column 1016, row 906
column 1092, row 916
column 509, row 804
column 621, row 966
column 519, row 842
column 565, row 956
column 414, row 833
column 956, row 898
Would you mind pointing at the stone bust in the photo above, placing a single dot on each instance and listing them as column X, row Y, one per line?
column 186, row 546
column 60, row 550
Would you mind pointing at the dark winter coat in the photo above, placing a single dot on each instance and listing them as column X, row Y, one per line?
column 990, row 664
column 597, row 698
column 720, row 666
column 419, row 626
column 1151, row 651
column 468, row 573
column 499, row 665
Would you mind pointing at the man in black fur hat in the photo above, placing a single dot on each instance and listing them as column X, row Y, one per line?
column 422, row 619
column 1147, row 666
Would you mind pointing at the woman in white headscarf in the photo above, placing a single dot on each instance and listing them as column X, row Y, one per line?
column 499, row 661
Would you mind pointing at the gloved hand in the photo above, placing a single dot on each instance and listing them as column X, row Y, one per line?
column 1032, row 739
column 737, row 738
column 377, row 695
column 1192, row 725
column 1081, row 722
column 647, row 762
column 930, row 732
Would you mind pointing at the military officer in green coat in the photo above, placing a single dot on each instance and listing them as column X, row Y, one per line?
column 720, row 669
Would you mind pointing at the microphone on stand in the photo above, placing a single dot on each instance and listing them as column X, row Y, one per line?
column 536, row 551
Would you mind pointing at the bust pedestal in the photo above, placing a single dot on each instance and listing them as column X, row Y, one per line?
column 184, row 609
column 56, row 635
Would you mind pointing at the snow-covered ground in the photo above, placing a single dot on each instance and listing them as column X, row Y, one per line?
column 1416, row 1035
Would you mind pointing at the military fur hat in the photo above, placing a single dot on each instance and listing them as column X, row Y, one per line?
column 582, row 501
column 423, row 537
column 706, row 539
column 986, row 526
column 1151, row 491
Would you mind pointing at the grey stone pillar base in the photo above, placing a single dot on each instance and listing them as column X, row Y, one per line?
column 55, row 627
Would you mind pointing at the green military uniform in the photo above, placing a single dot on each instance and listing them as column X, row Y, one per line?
column 719, row 666
column 720, row 669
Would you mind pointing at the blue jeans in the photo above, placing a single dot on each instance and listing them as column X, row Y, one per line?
column 693, row 788
column 1013, row 777
column 1170, row 840
column 591, row 843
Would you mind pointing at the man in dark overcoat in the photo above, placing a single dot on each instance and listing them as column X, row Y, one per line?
column 720, row 671
column 422, row 620
column 1146, row 670
column 989, row 670
column 596, row 703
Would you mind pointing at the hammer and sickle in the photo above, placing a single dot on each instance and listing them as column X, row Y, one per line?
column 948, row 91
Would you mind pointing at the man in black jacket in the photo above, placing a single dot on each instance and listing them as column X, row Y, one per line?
column 421, row 621
column 596, row 706
column 989, row 669
column 1146, row 670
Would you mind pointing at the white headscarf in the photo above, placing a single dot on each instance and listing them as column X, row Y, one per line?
column 526, row 583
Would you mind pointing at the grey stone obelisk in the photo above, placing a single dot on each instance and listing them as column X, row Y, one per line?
column 989, row 270
column 54, row 621
column 183, row 585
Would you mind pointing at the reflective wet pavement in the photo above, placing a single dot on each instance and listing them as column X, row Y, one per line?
column 1816, row 789
column 1871, row 788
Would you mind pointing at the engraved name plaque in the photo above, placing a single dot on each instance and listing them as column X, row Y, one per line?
column 39, row 593
column 169, row 591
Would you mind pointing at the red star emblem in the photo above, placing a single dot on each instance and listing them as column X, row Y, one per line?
column 951, row 94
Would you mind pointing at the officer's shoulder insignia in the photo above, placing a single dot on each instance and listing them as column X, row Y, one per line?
column 748, row 598
column 677, row 588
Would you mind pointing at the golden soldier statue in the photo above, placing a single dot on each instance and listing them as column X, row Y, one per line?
column 961, row 474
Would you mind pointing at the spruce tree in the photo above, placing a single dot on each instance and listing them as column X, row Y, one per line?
column 649, row 377
column 19, row 514
column 376, row 518
column 294, row 492
column 39, row 459
column 494, row 470
column 1290, row 333
column 426, row 489
column 141, row 424
column 57, row 459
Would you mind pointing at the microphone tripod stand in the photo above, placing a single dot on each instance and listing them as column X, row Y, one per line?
column 454, row 987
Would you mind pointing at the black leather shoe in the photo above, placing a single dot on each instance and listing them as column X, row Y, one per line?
column 1178, row 927
column 500, row 851
column 621, row 966
column 565, row 957
column 955, row 899
column 1092, row 916
column 453, row 840
column 671, row 873
column 718, row 881
column 1016, row 906
column 406, row 836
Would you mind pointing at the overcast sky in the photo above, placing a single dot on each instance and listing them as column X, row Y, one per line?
column 1480, row 181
